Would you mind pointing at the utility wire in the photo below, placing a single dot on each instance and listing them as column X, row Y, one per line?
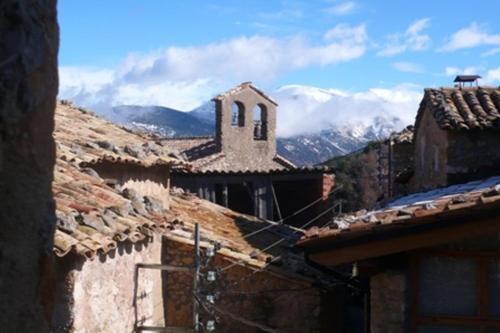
column 279, row 222
column 242, row 320
column 239, row 262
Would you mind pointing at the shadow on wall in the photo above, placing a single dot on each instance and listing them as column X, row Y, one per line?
column 28, row 88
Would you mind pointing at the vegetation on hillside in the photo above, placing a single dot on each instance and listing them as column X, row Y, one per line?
column 356, row 173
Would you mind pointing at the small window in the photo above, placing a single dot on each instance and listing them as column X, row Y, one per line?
column 457, row 293
column 448, row 286
column 260, row 122
column 237, row 114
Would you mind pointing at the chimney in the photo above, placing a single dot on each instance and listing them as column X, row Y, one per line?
column 462, row 79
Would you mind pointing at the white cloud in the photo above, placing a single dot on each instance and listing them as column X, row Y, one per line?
column 411, row 40
column 285, row 14
column 452, row 71
column 344, row 33
column 342, row 8
column 491, row 52
column 489, row 76
column 408, row 67
column 472, row 36
column 493, row 75
column 309, row 110
column 183, row 77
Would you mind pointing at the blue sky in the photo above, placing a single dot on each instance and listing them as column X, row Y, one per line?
column 179, row 53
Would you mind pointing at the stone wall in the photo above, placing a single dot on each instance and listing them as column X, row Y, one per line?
column 153, row 181
column 272, row 300
column 401, row 161
column 451, row 157
column 431, row 145
column 104, row 295
column 240, row 148
column 472, row 155
column 28, row 88
column 388, row 302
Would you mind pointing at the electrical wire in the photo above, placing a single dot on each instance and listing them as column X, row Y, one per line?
column 239, row 262
column 280, row 222
column 242, row 320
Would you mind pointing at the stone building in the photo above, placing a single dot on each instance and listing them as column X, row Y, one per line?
column 112, row 230
column 431, row 259
column 240, row 168
column 457, row 136
column 401, row 152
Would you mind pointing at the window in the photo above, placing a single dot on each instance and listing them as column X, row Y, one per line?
column 260, row 122
column 237, row 114
column 457, row 293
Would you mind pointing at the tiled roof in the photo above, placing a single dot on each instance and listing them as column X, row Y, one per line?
column 411, row 210
column 301, row 170
column 462, row 108
column 82, row 137
column 242, row 86
column 405, row 136
column 204, row 156
column 229, row 228
column 93, row 217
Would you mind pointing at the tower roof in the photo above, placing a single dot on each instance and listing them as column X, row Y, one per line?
column 240, row 87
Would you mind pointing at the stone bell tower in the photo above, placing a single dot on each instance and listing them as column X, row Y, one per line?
column 246, row 127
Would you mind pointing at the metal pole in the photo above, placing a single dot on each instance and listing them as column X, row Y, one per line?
column 277, row 204
column 196, row 275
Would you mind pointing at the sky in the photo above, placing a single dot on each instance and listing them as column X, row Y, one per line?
column 181, row 53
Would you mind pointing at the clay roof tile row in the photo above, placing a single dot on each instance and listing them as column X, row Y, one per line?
column 463, row 108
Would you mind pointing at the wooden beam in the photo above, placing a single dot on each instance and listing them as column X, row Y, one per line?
column 170, row 268
column 432, row 237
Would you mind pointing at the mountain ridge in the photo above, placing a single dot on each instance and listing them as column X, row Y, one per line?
column 337, row 131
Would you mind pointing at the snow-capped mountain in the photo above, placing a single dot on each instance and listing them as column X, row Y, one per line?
column 161, row 120
column 314, row 124
column 314, row 148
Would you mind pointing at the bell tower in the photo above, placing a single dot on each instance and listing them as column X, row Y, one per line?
column 246, row 125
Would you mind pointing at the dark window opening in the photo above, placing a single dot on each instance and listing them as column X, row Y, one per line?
column 221, row 194
column 237, row 114
column 260, row 122
column 240, row 198
column 289, row 202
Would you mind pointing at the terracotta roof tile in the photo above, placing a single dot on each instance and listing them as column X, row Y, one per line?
column 82, row 137
column 203, row 154
column 242, row 86
column 462, row 108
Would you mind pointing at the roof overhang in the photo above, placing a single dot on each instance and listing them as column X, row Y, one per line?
column 336, row 249
column 318, row 170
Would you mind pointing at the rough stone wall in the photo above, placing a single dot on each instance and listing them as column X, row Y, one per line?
column 472, row 155
column 98, row 295
column 241, row 150
column 431, row 144
column 388, row 302
column 402, row 158
column 289, row 305
column 152, row 181
column 28, row 88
